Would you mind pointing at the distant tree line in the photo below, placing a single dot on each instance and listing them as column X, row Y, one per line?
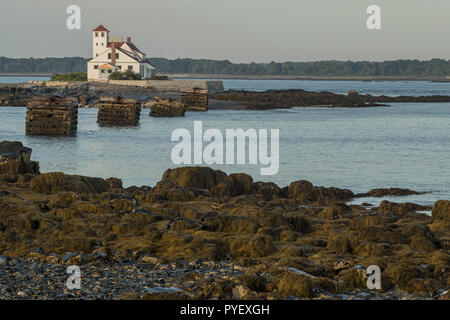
column 430, row 68
column 42, row 65
column 74, row 76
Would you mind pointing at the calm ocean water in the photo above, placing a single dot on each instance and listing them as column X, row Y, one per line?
column 405, row 145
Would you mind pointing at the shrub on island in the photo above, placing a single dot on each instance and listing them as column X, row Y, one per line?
column 74, row 76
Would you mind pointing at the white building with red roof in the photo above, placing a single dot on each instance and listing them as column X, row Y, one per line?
column 112, row 54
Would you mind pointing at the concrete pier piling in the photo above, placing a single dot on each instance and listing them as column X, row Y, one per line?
column 52, row 116
column 160, row 107
column 195, row 99
column 118, row 111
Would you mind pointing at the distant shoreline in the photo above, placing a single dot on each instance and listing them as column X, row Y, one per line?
column 25, row 75
column 313, row 78
column 281, row 77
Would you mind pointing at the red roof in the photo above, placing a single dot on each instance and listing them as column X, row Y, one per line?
column 100, row 28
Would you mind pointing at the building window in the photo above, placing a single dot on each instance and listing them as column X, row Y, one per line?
column 117, row 56
column 109, row 55
column 96, row 55
column 96, row 34
column 96, row 66
column 109, row 71
column 119, row 67
column 103, row 34
column 96, row 44
column 103, row 44
column 130, row 67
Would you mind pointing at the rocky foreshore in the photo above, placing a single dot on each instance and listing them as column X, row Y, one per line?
column 203, row 234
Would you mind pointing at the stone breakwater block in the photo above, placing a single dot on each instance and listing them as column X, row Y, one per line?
column 118, row 111
column 52, row 116
column 166, row 108
column 195, row 99
column 16, row 159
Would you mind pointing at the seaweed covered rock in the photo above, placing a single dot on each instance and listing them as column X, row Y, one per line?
column 305, row 192
column 252, row 247
column 341, row 243
column 59, row 182
column 294, row 285
column 224, row 236
column 399, row 209
column 441, row 221
column 243, row 183
column 441, row 210
column 332, row 212
column 383, row 192
column 410, row 279
column 216, row 181
column 300, row 190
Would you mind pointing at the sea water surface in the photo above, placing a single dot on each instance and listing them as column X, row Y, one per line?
column 406, row 145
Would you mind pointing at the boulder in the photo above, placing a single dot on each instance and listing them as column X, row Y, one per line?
column 399, row 209
column 252, row 247
column 201, row 178
column 268, row 190
column 332, row 212
column 441, row 210
column 294, row 285
column 341, row 243
column 353, row 278
column 409, row 279
column 421, row 238
column 243, row 183
column 114, row 183
column 305, row 192
column 380, row 234
column 300, row 190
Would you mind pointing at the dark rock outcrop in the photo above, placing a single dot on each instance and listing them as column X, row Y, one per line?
column 16, row 159
column 281, row 99
column 383, row 192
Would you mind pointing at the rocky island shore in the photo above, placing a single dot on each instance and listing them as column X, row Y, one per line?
column 89, row 94
column 285, row 99
column 202, row 234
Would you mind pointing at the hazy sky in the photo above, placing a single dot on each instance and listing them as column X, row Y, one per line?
column 237, row 30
